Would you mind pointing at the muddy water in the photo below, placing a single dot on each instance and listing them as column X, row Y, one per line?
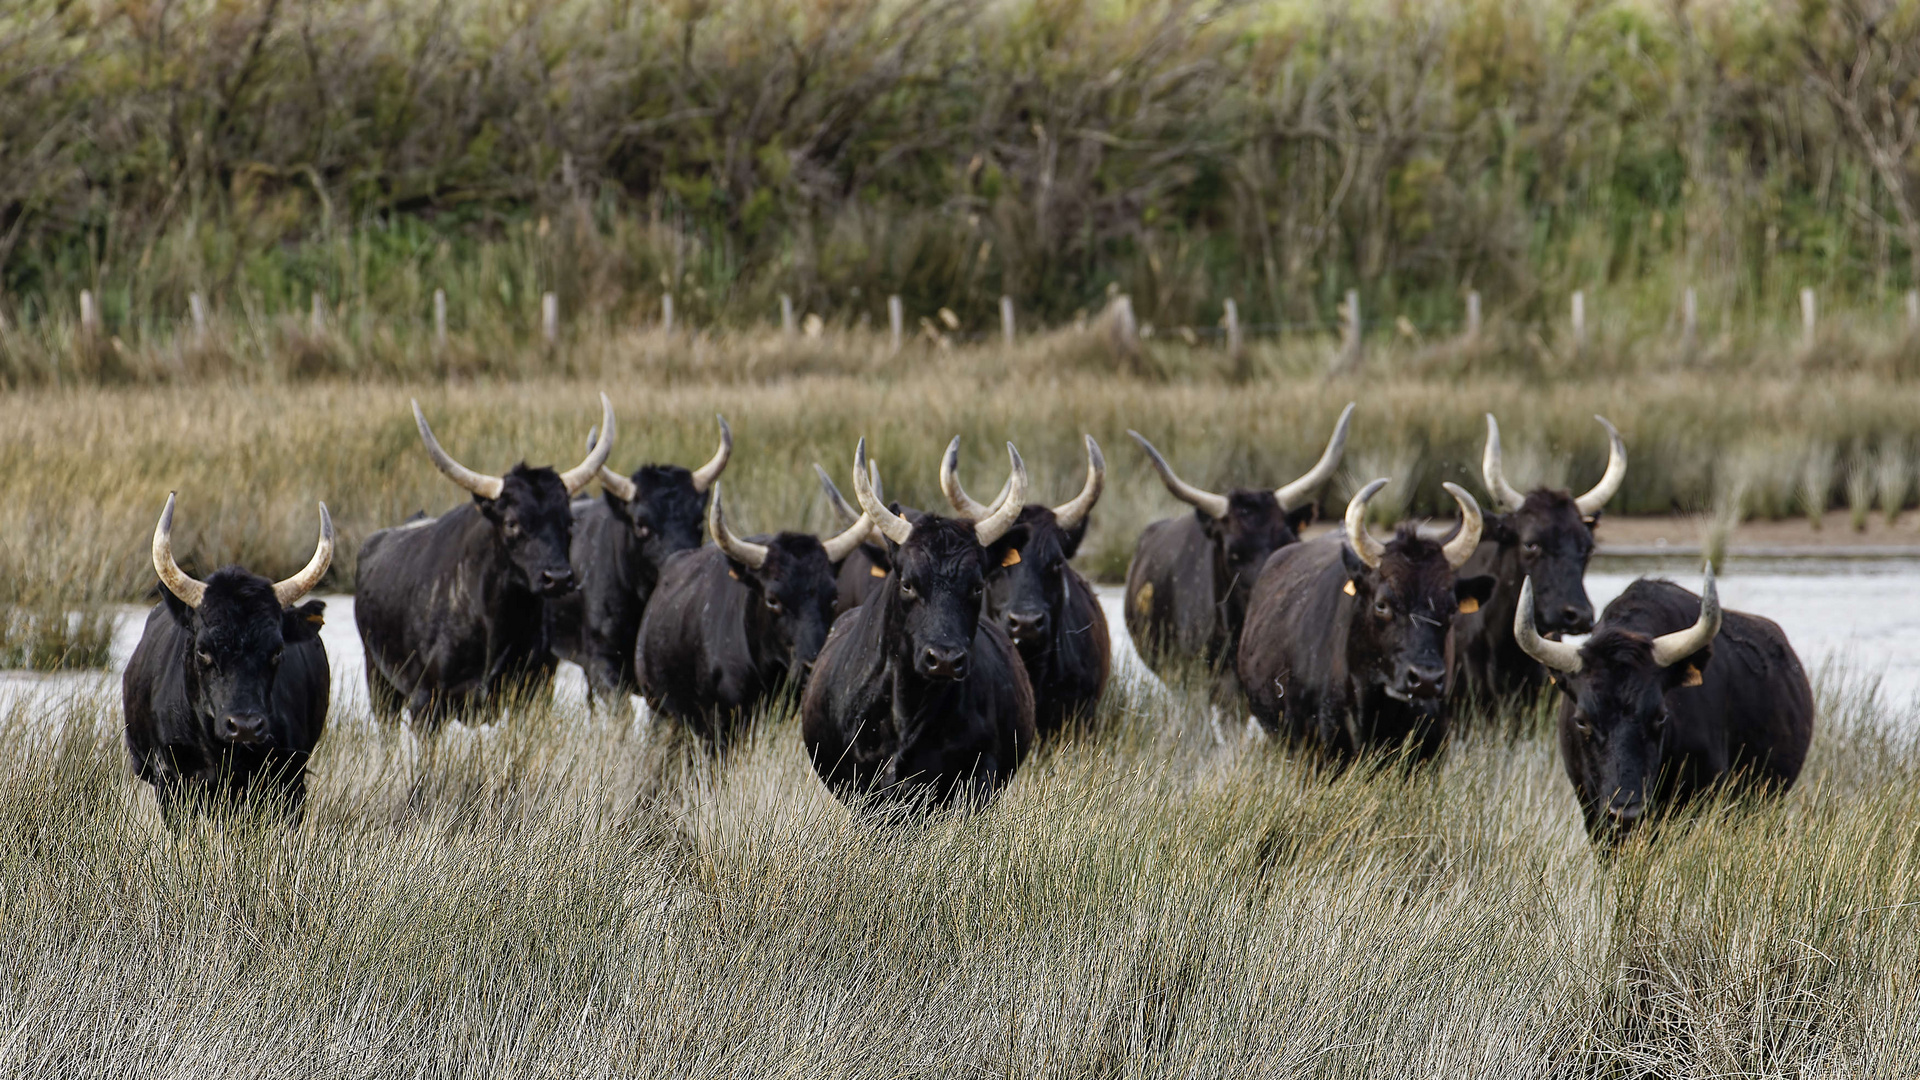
column 1862, row 614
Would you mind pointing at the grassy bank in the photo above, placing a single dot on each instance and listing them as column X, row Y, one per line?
column 952, row 152
column 561, row 897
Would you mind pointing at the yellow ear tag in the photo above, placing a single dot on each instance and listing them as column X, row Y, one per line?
column 876, row 571
column 1693, row 677
column 733, row 575
column 1469, row 605
column 1012, row 557
column 1348, row 587
column 317, row 620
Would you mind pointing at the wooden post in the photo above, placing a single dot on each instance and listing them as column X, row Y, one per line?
column 1473, row 315
column 1006, row 320
column 896, row 319
column 317, row 314
column 786, row 314
column 1913, row 310
column 89, row 318
column 666, row 314
column 1349, row 358
column 1807, row 314
column 1233, row 328
column 550, row 318
column 1579, row 319
column 1689, row 318
column 439, row 318
column 197, row 308
column 1126, row 329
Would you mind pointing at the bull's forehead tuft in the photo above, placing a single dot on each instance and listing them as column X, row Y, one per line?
column 1553, row 510
column 941, row 545
column 530, row 488
column 238, row 605
column 1415, row 566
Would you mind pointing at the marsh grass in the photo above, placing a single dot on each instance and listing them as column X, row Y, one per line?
column 557, row 895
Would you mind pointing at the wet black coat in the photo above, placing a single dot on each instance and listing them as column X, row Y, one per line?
column 1651, row 742
column 452, row 611
column 875, row 721
column 1549, row 540
column 1191, row 577
column 266, row 662
column 712, row 647
column 618, row 551
column 860, row 573
column 1052, row 615
column 1347, row 673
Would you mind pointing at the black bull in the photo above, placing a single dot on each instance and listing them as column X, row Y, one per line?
column 226, row 693
column 1669, row 699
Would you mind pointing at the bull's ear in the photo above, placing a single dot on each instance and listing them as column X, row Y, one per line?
column 1592, row 521
column 1356, row 569
column 1071, row 538
column 618, row 506
column 880, row 554
column 488, row 507
column 1688, row 672
column 303, row 621
column 1301, row 516
column 176, row 607
column 1471, row 592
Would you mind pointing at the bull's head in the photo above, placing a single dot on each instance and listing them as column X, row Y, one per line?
column 1248, row 524
column 238, row 624
column 528, row 506
column 792, row 584
column 1613, row 723
column 1547, row 535
column 1405, row 595
column 934, row 592
column 1027, row 567
column 664, row 506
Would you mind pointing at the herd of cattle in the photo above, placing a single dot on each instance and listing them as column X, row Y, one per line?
column 933, row 651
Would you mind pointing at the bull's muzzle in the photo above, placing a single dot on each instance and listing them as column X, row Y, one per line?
column 941, row 662
column 1027, row 626
column 244, row 728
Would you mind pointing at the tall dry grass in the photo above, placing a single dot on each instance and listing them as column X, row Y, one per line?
column 557, row 896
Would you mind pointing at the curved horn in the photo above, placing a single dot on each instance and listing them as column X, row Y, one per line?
column 1070, row 514
column 705, row 475
column 584, row 473
column 1301, row 490
column 995, row 525
column 1213, row 505
column 841, row 546
column 1610, row 481
column 1505, row 499
column 891, row 525
column 290, row 591
column 621, row 486
column 1459, row 549
column 1362, row 541
column 1670, row 649
column 190, row 590
column 846, row 513
column 1558, row 655
column 487, row 487
column 957, row 496
column 745, row 552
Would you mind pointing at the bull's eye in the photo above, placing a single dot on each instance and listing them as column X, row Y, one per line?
column 510, row 528
column 642, row 531
column 205, row 657
column 773, row 604
column 1530, row 547
column 1660, row 719
column 1382, row 609
column 907, row 592
column 1581, row 725
column 974, row 591
column 277, row 654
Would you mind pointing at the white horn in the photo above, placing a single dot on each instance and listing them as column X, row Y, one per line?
column 1670, row 649
column 841, row 509
column 745, row 552
column 621, row 486
column 190, row 590
column 891, row 525
column 841, row 546
column 1212, row 505
column 705, row 475
column 1362, row 541
column 995, row 525
column 584, row 473
column 1593, row 501
column 292, row 590
column 487, row 487
column 1460, row 548
column 1071, row 513
column 1558, row 655
column 1505, row 499
column 957, row 497
column 1301, row 490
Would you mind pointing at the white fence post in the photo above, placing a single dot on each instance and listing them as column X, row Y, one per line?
column 896, row 319
column 1913, row 309
column 1579, row 319
column 197, row 308
column 1473, row 315
column 89, row 316
column 1349, row 358
column 786, row 314
column 439, row 318
column 1233, row 328
column 666, row 314
column 550, row 318
column 1689, row 317
column 1807, row 317
column 1006, row 320
column 317, row 314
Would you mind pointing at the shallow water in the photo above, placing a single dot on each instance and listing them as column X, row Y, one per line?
column 1863, row 615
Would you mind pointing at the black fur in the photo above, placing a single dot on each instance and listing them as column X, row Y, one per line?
column 877, row 719
column 1052, row 615
column 226, row 700
column 1548, row 540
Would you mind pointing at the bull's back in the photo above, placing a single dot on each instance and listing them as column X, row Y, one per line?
column 1169, row 598
column 693, row 630
column 856, row 579
column 1290, row 655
